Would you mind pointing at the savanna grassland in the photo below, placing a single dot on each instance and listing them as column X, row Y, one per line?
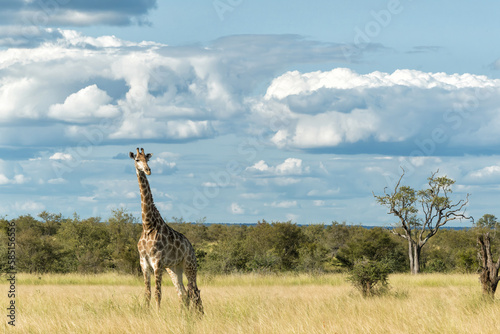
column 251, row 303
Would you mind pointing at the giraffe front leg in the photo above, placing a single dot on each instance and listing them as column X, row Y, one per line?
column 147, row 280
column 158, row 277
column 195, row 298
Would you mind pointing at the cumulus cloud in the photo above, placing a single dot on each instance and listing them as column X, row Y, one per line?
column 328, row 129
column 291, row 166
column 294, row 82
column 162, row 166
column 12, row 173
column 338, row 107
column 487, row 174
column 17, row 179
column 61, row 156
column 149, row 91
column 260, row 166
column 145, row 90
column 236, row 209
column 85, row 105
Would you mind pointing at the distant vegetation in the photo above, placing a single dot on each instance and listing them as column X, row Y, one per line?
column 52, row 243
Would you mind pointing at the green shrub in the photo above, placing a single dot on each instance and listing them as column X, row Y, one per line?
column 369, row 277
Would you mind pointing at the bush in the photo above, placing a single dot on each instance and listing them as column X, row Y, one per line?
column 369, row 277
column 374, row 244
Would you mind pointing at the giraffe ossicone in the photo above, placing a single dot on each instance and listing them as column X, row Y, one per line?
column 161, row 247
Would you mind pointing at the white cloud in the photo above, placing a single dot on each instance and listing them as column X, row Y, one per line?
column 260, row 166
column 167, row 155
column 59, row 180
column 157, row 92
column 76, row 38
column 286, row 181
column 252, row 196
column 283, row 204
column 236, row 209
column 420, row 161
column 486, row 172
column 291, row 166
column 84, row 106
column 29, row 206
column 61, row 156
column 131, row 194
column 164, row 206
column 323, row 193
column 329, row 129
column 162, row 166
column 327, row 109
column 17, row 179
column 145, row 90
column 294, row 82
column 292, row 217
column 20, row 179
column 87, row 199
column 4, row 179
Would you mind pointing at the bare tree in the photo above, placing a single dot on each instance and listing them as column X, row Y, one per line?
column 489, row 270
column 418, row 226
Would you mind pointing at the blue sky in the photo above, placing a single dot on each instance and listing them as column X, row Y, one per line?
column 282, row 110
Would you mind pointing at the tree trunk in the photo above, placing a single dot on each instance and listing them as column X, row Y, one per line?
column 489, row 270
column 414, row 254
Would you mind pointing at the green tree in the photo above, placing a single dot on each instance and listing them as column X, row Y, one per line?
column 451, row 250
column 124, row 232
column 487, row 221
column 227, row 254
column 418, row 226
column 373, row 244
column 314, row 250
column 87, row 241
column 286, row 239
column 4, row 225
column 51, row 222
column 259, row 247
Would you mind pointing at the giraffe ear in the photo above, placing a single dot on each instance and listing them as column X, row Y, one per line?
column 148, row 156
column 131, row 155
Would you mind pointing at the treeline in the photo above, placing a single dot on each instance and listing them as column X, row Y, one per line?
column 53, row 243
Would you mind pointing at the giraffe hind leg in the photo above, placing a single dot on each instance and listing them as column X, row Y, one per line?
column 193, row 293
column 176, row 276
column 158, row 276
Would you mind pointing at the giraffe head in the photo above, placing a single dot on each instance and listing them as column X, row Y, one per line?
column 141, row 161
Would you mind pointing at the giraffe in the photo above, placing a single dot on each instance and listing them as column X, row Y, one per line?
column 160, row 246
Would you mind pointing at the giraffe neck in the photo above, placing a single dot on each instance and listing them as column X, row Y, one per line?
column 151, row 218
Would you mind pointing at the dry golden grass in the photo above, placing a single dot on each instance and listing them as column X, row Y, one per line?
column 255, row 304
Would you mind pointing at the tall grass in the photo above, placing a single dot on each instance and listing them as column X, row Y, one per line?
column 255, row 304
column 203, row 279
column 78, row 279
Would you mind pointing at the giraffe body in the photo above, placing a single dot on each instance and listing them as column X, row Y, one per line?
column 160, row 246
